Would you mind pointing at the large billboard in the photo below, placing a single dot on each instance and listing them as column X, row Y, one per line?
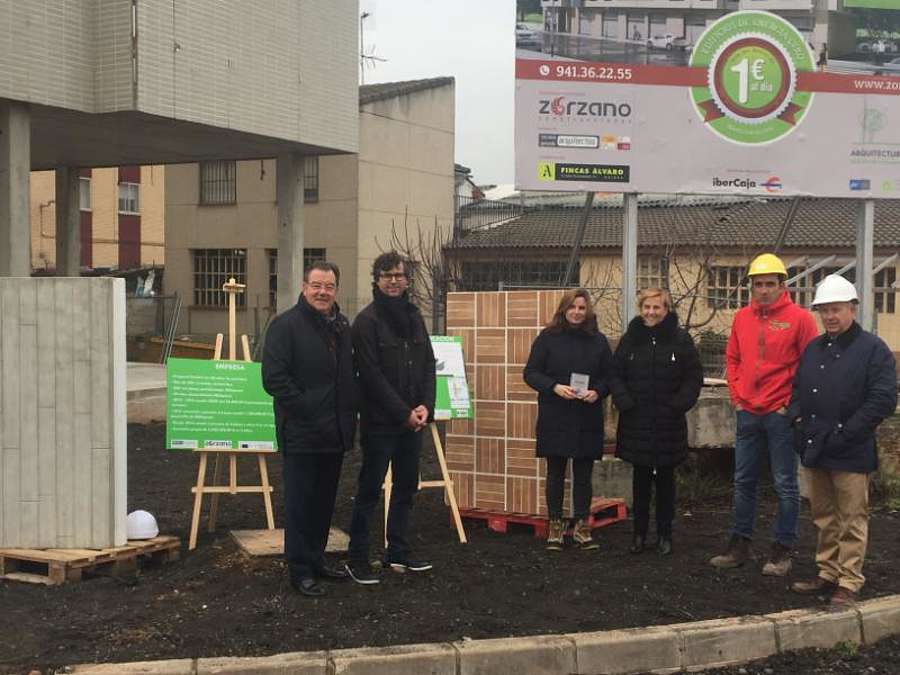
column 743, row 104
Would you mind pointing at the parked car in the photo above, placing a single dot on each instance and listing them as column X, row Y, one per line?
column 877, row 47
column 891, row 68
column 668, row 41
column 526, row 37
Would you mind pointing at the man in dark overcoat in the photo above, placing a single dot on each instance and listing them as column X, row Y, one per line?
column 845, row 386
column 307, row 368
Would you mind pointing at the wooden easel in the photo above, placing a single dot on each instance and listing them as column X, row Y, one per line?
column 445, row 483
column 232, row 488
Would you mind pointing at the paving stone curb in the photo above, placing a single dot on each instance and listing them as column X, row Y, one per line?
column 657, row 649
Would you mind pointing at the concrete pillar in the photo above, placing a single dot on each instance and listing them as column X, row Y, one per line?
column 15, row 185
column 289, row 200
column 865, row 235
column 68, row 222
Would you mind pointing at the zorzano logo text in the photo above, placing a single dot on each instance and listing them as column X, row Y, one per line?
column 562, row 107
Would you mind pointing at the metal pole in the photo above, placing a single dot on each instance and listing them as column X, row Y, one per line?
column 629, row 258
column 786, row 225
column 865, row 231
column 579, row 236
column 362, row 53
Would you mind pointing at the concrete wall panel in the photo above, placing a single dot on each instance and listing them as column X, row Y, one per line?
column 230, row 67
column 62, row 361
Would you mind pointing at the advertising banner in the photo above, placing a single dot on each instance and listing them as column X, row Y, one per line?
column 452, row 400
column 217, row 404
column 873, row 4
column 742, row 106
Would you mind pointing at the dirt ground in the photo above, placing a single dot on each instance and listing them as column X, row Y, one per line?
column 882, row 658
column 217, row 602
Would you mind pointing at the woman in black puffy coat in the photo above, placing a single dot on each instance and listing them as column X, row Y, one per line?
column 656, row 379
column 570, row 413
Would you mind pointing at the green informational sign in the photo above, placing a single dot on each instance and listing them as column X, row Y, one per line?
column 219, row 405
column 452, row 400
column 752, row 61
column 873, row 4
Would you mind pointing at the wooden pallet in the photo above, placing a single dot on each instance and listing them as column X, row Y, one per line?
column 603, row 512
column 54, row 566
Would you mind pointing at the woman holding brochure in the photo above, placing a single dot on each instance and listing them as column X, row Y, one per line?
column 569, row 363
column 656, row 379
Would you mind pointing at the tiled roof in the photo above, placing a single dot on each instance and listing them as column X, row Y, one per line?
column 369, row 93
column 750, row 223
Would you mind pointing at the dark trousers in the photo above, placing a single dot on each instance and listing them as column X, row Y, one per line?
column 642, row 487
column 401, row 450
column 581, row 486
column 310, row 488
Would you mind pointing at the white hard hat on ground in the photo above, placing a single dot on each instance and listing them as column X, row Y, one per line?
column 835, row 288
column 141, row 525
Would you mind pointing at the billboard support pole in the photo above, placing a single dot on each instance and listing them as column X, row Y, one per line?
column 629, row 257
column 865, row 231
column 786, row 225
column 579, row 236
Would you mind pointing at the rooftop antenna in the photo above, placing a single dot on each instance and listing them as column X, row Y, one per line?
column 363, row 57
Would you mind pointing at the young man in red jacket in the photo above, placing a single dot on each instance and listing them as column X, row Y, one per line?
column 767, row 339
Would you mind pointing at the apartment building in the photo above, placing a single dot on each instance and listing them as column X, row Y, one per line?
column 220, row 217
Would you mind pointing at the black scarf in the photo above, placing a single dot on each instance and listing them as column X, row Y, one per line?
column 665, row 331
column 396, row 311
column 327, row 324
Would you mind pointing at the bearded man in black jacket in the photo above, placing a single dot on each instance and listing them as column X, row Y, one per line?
column 396, row 369
column 307, row 368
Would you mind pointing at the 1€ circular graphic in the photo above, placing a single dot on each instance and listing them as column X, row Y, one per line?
column 751, row 60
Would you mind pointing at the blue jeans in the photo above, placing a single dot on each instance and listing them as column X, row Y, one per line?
column 401, row 451
column 754, row 435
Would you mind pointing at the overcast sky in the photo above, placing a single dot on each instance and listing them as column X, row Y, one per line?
column 471, row 40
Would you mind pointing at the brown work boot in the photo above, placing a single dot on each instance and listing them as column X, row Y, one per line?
column 555, row 535
column 817, row 586
column 583, row 537
column 843, row 597
column 779, row 562
column 736, row 555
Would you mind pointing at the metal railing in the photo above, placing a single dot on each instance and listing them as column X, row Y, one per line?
column 473, row 214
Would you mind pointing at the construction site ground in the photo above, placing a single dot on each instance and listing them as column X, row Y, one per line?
column 216, row 601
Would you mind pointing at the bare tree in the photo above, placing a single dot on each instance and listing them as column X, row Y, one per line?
column 432, row 272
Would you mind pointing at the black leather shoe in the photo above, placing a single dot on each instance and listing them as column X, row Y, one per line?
column 664, row 545
column 637, row 544
column 308, row 587
column 336, row 573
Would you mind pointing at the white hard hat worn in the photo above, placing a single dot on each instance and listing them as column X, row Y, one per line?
column 141, row 525
column 835, row 288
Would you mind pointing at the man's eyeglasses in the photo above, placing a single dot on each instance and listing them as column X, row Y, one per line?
column 316, row 286
column 393, row 276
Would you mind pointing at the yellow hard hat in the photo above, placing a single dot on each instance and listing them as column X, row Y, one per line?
column 767, row 263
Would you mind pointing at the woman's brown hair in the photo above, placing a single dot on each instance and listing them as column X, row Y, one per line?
column 558, row 322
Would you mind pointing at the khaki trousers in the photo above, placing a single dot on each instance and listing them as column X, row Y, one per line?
column 840, row 510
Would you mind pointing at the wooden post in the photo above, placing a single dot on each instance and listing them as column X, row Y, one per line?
column 445, row 483
column 448, row 484
column 233, row 288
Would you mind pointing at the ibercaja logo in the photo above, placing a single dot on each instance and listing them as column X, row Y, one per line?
column 751, row 60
